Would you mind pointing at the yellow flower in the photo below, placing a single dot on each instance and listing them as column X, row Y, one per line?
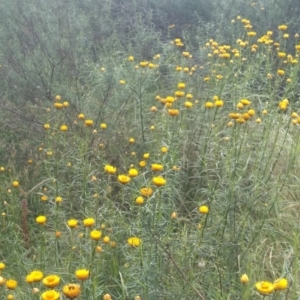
column 36, row 275
column 157, row 167
column 181, row 85
column 51, row 281
column 142, row 164
column 82, row 274
column 139, row 200
column 146, row 155
column 57, row 98
column 203, row 209
column 2, row 266
column 251, row 33
column 244, row 279
column 50, row 295
column 63, row 128
column 164, row 149
column 41, row 220
column 189, row 96
column 131, row 58
column 107, row 297
column 173, row 112
column 219, row 103
column 122, row 82
column 131, row 140
column 280, row 284
column 46, row 126
column 58, row 199
column 282, row 27
column 15, row 183
column 143, row 64
column 159, row 181
column 188, row 104
column 81, row 116
column 88, row 123
column 134, row 241
column 179, row 94
column 264, row 287
column 11, row 284
column 58, row 105
column 280, row 72
column 133, row 172
column 89, row 222
column 103, row 126
column 71, row 290
column 72, row 223
column 44, row 198
column 106, row 240
column 10, row 297
column 110, row 169
column 95, row 235
column 146, row 191
column 209, row 104
column 124, row 179
column 245, row 102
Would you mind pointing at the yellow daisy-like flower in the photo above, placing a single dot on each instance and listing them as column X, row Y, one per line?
column 264, row 287
column 164, row 149
column 173, row 112
column 11, row 284
column 63, row 128
column 46, row 126
column 15, row 183
column 51, row 281
column 72, row 223
column 244, row 279
column 107, row 297
column 157, row 167
column 134, row 241
column 58, row 105
column 103, row 126
column 89, row 222
column 81, row 116
column 88, row 123
column 159, row 181
column 36, row 275
column 71, row 290
column 95, row 235
column 146, row 191
column 139, row 200
column 181, row 85
column 142, row 164
column 50, row 295
column 82, row 274
column 280, row 284
column 203, row 209
column 2, row 266
column 124, row 179
column 41, row 220
column 110, row 169
column 146, row 155
column 133, row 172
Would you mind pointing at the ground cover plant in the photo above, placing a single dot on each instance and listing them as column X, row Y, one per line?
column 174, row 177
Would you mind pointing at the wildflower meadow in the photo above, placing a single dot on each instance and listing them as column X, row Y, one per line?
column 161, row 168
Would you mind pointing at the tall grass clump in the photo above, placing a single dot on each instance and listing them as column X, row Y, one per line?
column 173, row 174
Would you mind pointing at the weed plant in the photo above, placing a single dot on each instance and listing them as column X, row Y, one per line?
column 173, row 178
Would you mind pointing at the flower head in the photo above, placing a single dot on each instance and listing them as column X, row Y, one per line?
column 82, row 274
column 50, row 295
column 36, row 275
column 244, row 279
column 133, row 172
column 72, row 223
column 71, row 290
column 157, row 167
column 41, row 220
column 159, row 181
column 280, row 284
column 89, row 222
column 203, row 209
column 134, row 241
column 146, row 191
column 264, row 287
column 11, row 284
column 124, row 179
column 110, row 169
column 95, row 235
column 51, row 281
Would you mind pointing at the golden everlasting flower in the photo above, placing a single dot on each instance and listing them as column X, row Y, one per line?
column 2, row 281
column 106, row 240
column 36, row 275
column 203, row 209
column 209, row 104
column 264, row 287
column 2, row 266
column 50, row 295
column 88, row 123
column 219, row 103
column 71, row 290
column 143, row 64
column 81, row 116
column 51, row 281
column 82, row 274
column 280, row 284
column 72, row 223
column 11, row 284
column 134, row 241
column 142, row 164
column 181, row 85
column 124, row 179
column 159, row 181
column 63, row 128
column 110, row 169
column 157, row 167
column 89, row 222
column 46, row 126
column 131, row 58
column 107, row 297
column 58, row 199
column 103, row 126
column 139, row 200
column 41, row 220
column 173, row 112
column 188, row 104
column 58, row 105
column 146, row 155
column 122, row 82
column 245, row 102
column 146, row 191
column 244, row 279
column 164, row 149
column 57, row 98
column 280, row 72
column 15, row 184
column 282, row 27
column 95, row 235
column 44, row 197
column 133, row 172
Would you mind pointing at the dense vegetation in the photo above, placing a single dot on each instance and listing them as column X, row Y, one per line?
column 149, row 149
